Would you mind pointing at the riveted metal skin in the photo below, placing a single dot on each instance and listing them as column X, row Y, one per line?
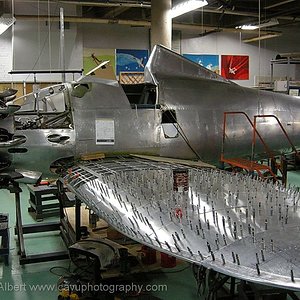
column 138, row 198
column 61, row 121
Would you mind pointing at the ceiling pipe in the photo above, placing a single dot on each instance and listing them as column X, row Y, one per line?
column 244, row 14
column 133, row 4
column 283, row 12
column 278, row 15
column 278, row 4
column 262, row 37
column 176, row 26
column 108, row 4
column 147, row 4
column 228, row 12
column 84, row 20
column 115, row 12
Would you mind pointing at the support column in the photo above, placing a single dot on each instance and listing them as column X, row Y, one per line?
column 161, row 23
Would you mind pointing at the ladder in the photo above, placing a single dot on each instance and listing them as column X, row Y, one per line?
column 294, row 157
column 251, row 166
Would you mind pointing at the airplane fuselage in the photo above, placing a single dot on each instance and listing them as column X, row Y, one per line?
column 176, row 113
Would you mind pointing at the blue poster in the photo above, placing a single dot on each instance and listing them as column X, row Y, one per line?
column 129, row 60
column 209, row 61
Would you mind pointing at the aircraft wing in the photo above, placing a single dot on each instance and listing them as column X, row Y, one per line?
column 239, row 226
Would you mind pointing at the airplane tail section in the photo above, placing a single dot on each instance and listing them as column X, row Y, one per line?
column 164, row 62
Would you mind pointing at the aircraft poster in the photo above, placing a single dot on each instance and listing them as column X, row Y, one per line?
column 130, row 60
column 92, row 57
column 209, row 61
column 235, row 67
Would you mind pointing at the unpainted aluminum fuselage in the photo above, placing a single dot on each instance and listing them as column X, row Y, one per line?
column 178, row 114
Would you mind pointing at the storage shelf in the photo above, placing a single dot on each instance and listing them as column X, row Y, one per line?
column 284, row 61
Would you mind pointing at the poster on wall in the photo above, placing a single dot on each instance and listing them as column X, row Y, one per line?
column 105, row 132
column 92, row 57
column 209, row 61
column 130, row 60
column 235, row 67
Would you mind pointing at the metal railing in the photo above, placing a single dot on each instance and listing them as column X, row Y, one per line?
column 255, row 133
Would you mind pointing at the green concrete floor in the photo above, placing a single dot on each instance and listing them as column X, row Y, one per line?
column 28, row 277
column 294, row 178
column 36, row 282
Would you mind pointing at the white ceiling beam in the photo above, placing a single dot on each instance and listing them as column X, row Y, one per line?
column 177, row 26
column 278, row 4
column 107, row 4
column 262, row 37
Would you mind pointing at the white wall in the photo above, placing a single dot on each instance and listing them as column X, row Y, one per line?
column 31, row 47
column 44, row 8
column 5, row 56
column 31, row 39
column 115, row 36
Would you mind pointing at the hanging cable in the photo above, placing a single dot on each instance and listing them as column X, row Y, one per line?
column 259, row 35
column 183, row 135
column 49, row 36
column 43, row 47
column 13, row 36
column 39, row 33
column 259, row 54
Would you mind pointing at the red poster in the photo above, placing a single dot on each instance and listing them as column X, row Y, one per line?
column 235, row 67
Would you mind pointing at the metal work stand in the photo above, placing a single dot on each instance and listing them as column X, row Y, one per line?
column 39, row 201
column 69, row 235
column 13, row 186
column 4, row 233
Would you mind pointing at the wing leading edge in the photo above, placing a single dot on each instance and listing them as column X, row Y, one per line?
column 234, row 224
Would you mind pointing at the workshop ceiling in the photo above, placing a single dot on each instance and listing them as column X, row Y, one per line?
column 216, row 16
column 232, row 13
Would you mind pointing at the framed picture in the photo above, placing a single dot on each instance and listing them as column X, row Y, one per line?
column 93, row 57
column 235, row 67
column 130, row 60
column 209, row 61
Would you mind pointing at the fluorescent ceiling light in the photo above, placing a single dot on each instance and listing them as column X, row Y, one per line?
column 247, row 27
column 262, row 37
column 271, row 22
column 5, row 23
column 186, row 6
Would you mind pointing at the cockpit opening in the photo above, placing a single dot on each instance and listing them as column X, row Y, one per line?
column 142, row 95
